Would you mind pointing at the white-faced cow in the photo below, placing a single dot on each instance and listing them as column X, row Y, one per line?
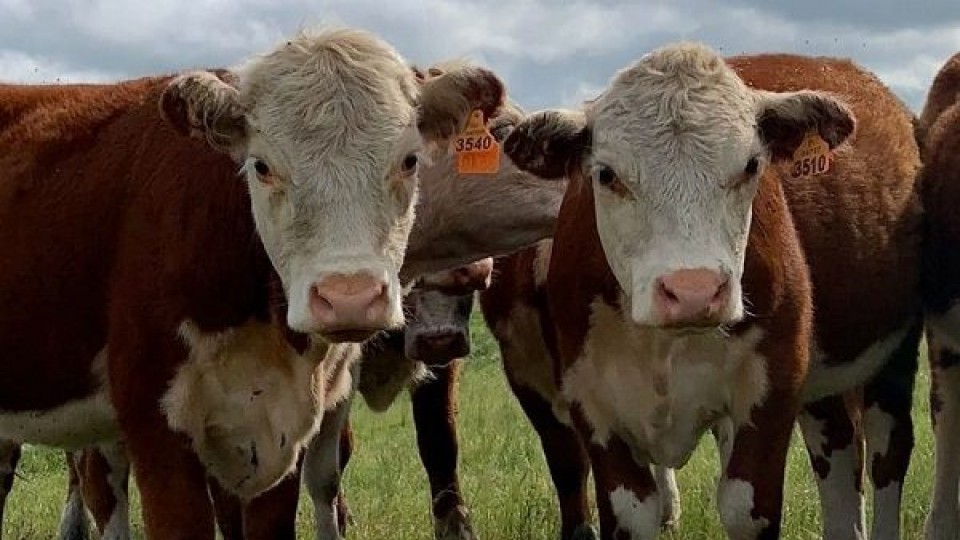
column 940, row 186
column 190, row 281
column 701, row 279
column 424, row 356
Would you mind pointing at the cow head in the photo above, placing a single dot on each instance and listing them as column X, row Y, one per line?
column 672, row 152
column 438, row 307
column 331, row 129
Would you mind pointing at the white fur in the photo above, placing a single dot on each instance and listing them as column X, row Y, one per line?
column 735, row 499
column 641, row 519
column 943, row 521
column 321, row 469
column 74, row 518
column 841, row 505
column 678, row 128
column 669, row 494
column 827, row 380
column 249, row 402
column 878, row 425
column 72, row 425
column 336, row 200
column 660, row 390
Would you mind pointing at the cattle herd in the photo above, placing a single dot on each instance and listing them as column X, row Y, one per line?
column 201, row 270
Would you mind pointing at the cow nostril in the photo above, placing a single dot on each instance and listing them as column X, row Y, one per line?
column 667, row 293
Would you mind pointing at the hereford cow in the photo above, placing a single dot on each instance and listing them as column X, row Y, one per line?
column 194, row 281
column 940, row 186
column 690, row 255
column 423, row 356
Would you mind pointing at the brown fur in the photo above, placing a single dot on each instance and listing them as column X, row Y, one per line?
column 944, row 92
column 137, row 229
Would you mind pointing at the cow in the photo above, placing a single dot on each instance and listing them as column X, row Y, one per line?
column 424, row 355
column 194, row 259
column 940, row 189
column 701, row 278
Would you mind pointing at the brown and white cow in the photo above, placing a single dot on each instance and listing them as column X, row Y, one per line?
column 424, row 356
column 195, row 296
column 940, row 186
column 680, row 289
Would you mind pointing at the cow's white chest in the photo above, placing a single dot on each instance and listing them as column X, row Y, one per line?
column 659, row 391
column 249, row 402
column 72, row 425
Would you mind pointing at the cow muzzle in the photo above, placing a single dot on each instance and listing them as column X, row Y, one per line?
column 692, row 298
column 349, row 307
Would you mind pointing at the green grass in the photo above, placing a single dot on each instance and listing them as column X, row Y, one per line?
column 502, row 470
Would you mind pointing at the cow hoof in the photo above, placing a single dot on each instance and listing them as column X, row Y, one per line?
column 585, row 532
column 454, row 526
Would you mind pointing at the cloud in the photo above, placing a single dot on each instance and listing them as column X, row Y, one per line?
column 551, row 52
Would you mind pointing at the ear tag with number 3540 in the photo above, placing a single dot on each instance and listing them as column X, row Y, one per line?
column 476, row 149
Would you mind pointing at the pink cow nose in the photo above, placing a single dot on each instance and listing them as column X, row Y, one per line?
column 349, row 307
column 691, row 297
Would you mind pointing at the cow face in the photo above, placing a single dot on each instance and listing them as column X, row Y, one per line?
column 673, row 151
column 439, row 306
column 330, row 130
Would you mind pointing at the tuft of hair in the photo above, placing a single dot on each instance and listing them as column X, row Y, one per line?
column 337, row 67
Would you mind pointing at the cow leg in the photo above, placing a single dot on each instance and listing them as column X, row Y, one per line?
column 171, row 481
column 104, row 477
column 567, row 461
column 435, row 417
column 943, row 521
column 628, row 502
column 322, row 471
column 836, row 459
column 9, row 457
column 228, row 509
column 669, row 495
column 888, row 426
column 754, row 458
column 346, row 451
column 272, row 515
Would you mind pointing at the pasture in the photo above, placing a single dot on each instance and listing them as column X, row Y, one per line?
column 502, row 471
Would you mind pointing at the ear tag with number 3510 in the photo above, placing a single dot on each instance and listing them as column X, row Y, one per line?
column 812, row 157
column 476, row 149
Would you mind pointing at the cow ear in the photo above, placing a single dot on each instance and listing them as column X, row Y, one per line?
column 785, row 118
column 202, row 104
column 549, row 143
column 448, row 98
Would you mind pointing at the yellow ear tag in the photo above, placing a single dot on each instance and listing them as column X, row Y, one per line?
column 476, row 149
column 812, row 157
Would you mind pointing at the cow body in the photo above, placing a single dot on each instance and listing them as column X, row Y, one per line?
column 149, row 302
column 940, row 184
column 425, row 356
column 618, row 384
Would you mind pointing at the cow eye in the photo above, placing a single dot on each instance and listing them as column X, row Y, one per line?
column 262, row 168
column 605, row 176
column 753, row 165
column 409, row 163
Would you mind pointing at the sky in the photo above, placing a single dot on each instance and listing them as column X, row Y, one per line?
column 551, row 53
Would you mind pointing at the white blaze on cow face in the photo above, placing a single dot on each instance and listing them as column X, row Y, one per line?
column 329, row 130
column 674, row 165
column 673, row 151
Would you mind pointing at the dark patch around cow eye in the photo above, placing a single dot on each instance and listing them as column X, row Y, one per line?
column 753, row 165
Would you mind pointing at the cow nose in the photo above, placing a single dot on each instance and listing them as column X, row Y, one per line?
column 693, row 297
column 349, row 307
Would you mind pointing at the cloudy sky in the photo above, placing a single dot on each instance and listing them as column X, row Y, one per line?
column 550, row 52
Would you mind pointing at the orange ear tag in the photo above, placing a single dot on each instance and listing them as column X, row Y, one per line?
column 476, row 149
column 812, row 157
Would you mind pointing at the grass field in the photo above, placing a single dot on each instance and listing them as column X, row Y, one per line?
column 502, row 471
